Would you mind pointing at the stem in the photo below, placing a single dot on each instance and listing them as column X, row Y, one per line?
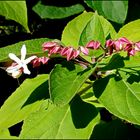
column 81, row 62
column 80, row 57
column 85, row 89
column 103, row 49
column 88, row 82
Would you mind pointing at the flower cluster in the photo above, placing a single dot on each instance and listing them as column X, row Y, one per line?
column 111, row 46
column 123, row 44
column 69, row 52
column 55, row 48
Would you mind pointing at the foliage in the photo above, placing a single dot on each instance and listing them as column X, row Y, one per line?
column 109, row 9
column 89, row 86
column 15, row 10
column 54, row 12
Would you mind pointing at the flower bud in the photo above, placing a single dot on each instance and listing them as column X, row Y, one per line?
column 93, row 45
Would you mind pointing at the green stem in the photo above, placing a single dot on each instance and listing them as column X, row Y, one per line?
column 85, row 89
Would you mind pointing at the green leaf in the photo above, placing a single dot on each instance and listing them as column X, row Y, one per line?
column 5, row 134
column 86, row 93
column 79, row 29
column 120, row 94
column 34, row 46
column 113, row 10
column 114, row 59
column 75, row 120
column 26, row 99
column 130, row 31
column 72, row 32
column 93, row 31
column 15, row 10
column 109, row 31
column 65, row 81
column 96, row 29
column 133, row 61
column 53, row 12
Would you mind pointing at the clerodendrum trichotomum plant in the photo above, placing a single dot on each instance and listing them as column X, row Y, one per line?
column 95, row 69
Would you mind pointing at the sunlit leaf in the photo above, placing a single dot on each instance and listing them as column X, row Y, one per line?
column 65, row 81
column 26, row 99
column 5, row 134
column 87, row 26
column 130, row 31
column 75, row 120
column 120, row 94
column 72, row 32
column 34, row 46
column 93, row 31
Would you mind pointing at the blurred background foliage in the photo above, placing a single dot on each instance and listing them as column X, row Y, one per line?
column 47, row 18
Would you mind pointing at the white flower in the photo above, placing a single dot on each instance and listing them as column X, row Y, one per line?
column 14, row 71
column 21, row 64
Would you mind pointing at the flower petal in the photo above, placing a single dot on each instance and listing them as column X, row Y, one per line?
column 15, row 58
column 23, row 52
column 84, row 50
column 64, row 51
column 76, row 53
column 44, row 60
column 28, row 60
column 26, row 70
column 124, row 40
column 93, row 45
column 12, row 69
column 70, row 53
column 109, row 43
column 16, row 74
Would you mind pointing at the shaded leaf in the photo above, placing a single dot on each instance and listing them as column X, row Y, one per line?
column 26, row 99
column 54, row 12
column 109, row 9
column 116, row 61
column 65, row 81
column 75, row 121
column 15, row 10
column 86, row 93
column 113, row 130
